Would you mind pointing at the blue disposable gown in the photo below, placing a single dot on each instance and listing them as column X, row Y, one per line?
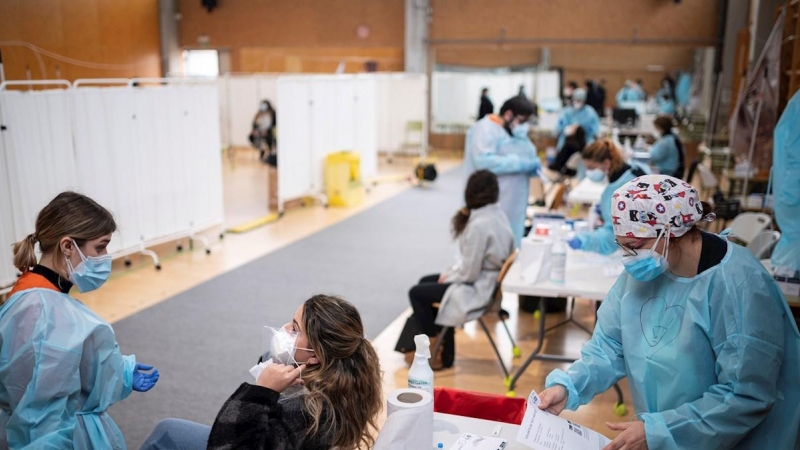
column 711, row 361
column 683, row 89
column 514, row 187
column 786, row 176
column 665, row 155
column 490, row 147
column 586, row 117
column 629, row 95
column 666, row 104
column 602, row 239
column 60, row 370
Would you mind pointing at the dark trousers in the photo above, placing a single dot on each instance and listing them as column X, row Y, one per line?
column 422, row 296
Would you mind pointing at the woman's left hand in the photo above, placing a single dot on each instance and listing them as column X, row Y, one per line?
column 631, row 438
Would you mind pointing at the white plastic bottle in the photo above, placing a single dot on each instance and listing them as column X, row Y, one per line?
column 420, row 375
column 558, row 260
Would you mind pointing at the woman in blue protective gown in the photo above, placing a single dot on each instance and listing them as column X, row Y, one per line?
column 603, row 159
column 667, row 153
column 697, row 325
column 60, row 365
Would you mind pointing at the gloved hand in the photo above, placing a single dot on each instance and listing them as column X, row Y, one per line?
column 575, row 243
column 142, row 381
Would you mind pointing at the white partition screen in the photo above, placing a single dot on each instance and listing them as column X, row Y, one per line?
column 104, row 145
column 7, row 236
column 149, row 154
column 456, row 95
column 319, row 115
column 402, row 100
column 39, row 157
column 239, row 102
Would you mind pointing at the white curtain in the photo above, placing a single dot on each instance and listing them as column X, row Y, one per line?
column 108, row 168
column 39, row 157
column 402, row 98
column 7, row 235
column 243, row 95
column 456, row 95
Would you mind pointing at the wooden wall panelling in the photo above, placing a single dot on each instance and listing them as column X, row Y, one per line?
column 96, row 31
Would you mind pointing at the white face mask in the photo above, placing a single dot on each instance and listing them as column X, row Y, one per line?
column 280, row 345
column 577, row 104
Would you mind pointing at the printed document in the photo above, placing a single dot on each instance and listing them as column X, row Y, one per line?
column 541, row 430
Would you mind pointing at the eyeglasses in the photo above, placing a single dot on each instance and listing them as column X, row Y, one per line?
column 627, row 250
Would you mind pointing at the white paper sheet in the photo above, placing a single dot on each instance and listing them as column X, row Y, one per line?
column 541, row 430
column 469, row 441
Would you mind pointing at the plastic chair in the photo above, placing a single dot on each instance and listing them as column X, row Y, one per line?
column 761, row 246
column 746, row 226
column 708, row 181
column 558, row 197
column 479, row 405
column 414, row 127
column 493, row 305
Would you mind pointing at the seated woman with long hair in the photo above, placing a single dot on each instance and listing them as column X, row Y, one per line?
column 485, row 241
column 329, row 401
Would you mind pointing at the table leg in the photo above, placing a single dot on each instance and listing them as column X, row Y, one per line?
column 536, row 355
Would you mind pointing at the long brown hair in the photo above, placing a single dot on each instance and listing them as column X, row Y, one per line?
column 482, row 189
column 604, row 149
column 68, row 215
column 346, row 384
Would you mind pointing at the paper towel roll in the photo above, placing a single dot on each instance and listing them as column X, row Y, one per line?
column 409, row 425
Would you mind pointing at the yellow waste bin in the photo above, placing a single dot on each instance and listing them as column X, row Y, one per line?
column 343, row 184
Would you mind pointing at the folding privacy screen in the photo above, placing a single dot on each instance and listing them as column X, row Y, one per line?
column 150, row 154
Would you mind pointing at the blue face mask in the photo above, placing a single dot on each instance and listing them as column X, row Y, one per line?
column 596, row 175
column 647, row 265
column 91, row 272
column 521, row 130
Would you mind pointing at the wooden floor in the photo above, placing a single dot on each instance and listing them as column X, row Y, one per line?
column 135, row 288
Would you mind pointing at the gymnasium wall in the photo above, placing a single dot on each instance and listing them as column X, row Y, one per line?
column 123, row 33
column 629, row 35
column 298, row 36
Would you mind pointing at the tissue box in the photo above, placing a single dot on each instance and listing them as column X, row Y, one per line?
column 534, row 259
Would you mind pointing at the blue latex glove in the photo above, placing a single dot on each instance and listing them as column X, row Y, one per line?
column 575, row 243
column 142, row 381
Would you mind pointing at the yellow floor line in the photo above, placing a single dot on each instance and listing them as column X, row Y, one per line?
column 253, row 224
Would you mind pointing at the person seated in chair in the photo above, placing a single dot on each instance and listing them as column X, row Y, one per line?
column 463, row 292
column 306, row 401
column 572, row 144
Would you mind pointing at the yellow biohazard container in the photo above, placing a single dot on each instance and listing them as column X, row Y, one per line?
column 343, row 184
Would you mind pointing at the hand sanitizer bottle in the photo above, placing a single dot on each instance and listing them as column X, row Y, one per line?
column 420, row 375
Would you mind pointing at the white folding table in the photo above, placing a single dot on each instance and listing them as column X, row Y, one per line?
column 587, row 191
column 448, row 428
column 586, row 277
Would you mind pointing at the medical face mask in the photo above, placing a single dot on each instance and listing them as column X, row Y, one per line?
column 280, row 346
column 657, row 134
column 577, row 104
column 91, row 272
column 596, row 175
column 521, row 130
column 263, row 107
column 647, row 265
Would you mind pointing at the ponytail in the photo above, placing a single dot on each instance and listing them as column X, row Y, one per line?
column 482, row 189
column 460, row 222
column 25, row 253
